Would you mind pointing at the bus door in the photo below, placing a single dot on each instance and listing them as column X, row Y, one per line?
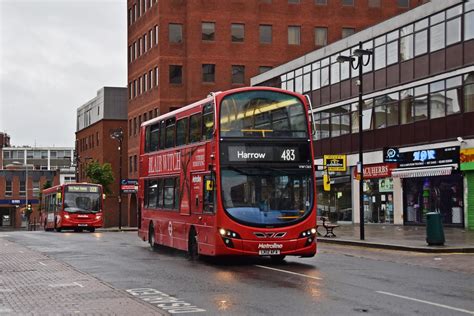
column 203, row 197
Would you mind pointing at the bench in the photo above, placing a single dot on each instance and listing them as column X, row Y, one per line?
column 327, row 225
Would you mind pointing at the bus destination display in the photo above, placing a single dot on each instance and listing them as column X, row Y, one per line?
column 82, row 188
column 263, row 154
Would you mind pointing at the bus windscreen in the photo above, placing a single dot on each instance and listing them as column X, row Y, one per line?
column 266, row 196
column 262, row 114
column 82, row 199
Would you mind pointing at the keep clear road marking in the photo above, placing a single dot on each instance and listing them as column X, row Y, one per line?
column 67, row 284
column 289, row 272
column 428, row 302
column 43, row 264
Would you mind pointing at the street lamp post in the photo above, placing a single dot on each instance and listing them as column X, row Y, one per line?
column 118, row 136
column 357, row 62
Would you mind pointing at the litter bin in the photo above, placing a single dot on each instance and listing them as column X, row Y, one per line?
column 434, row 229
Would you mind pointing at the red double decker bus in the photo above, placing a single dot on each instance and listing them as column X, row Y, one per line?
column 77, row 206
column 230, row 175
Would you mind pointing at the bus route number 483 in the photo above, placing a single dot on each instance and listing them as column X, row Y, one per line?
column 288, row 155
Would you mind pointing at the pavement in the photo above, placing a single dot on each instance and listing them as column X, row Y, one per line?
column 35, row 284
column 404, row 238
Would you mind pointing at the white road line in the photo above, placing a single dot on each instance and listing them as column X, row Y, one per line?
column 79, row 284
column 20, row 251
column 428, row 302
column 43, row 264
column 289, row 272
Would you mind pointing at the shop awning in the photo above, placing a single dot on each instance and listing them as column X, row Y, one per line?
column 422, row 172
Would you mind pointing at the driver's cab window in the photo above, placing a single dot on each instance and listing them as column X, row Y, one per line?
column 209, row 193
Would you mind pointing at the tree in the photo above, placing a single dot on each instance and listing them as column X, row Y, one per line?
column 100, row 174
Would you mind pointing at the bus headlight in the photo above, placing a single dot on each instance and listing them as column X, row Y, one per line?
column 98, row 217
column 67, row 216
column 228, row 233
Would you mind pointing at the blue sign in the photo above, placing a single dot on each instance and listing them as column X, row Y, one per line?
column 19, row 201
column 129, row 182
column 391, row 154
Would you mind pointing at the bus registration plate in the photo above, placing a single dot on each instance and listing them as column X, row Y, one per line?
column 81, row 225
column 268, row 252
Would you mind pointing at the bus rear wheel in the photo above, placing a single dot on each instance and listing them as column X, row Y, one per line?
column 151, row 238
column 193, row 249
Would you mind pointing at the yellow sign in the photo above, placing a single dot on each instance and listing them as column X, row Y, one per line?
column 335, row 162
column 326, row 182
column 209, row 185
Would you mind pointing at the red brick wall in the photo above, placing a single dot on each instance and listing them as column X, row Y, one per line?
column 105, row 150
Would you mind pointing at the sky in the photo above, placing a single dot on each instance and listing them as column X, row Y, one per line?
column 54, row 57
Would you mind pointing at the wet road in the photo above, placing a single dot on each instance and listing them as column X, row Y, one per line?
column 338, row 281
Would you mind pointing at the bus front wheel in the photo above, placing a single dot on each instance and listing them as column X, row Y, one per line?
column 193, row 249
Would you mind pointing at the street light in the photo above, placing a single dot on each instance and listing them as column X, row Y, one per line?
column 118, row 136
column 357, row 62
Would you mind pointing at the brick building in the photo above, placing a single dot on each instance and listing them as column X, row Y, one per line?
column 4, row 142
column 44, row 164
column 179, row 51
column 96, row 121
column 418, row 114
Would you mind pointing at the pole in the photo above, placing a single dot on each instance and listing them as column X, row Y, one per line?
column 120, row 182
column 361, row 151
column 26, row 185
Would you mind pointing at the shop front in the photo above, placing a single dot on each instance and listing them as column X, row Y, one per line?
column 431, row 182
column 467, row 167
column 378, row 193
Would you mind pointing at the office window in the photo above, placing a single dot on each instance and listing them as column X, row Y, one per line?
column 175, row 33
column 374, row 3
column 265, row 34
column 347, row 31
column 135, row 165
column 293, row 1
column 156, row 76
column 453, row 31
column 208, row 72
column 8, row 188
column 238, row 74
column 36, row 188
column 145, row 82
column 151, row 81
column 347, row 2
column 22, row 188
column 321, row 36
column 469, row 25
column 403, row 3
column 156, row 34
column 145, row 43
column 237, row 32
column 208, row 31
column 294, row 35
column 176, row 74
column 263, row 69
column 320, row 2
column 421, row 42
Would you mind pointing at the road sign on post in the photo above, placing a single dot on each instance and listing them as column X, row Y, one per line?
column 129, row 186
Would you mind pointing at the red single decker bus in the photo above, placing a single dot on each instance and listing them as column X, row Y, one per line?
column 232, row 174
column 77, row 206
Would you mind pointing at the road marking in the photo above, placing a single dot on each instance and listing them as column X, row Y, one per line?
column 6, row 290
column 66, row 284
column 43, row 264
column 289, row 272
column 20, row 251
column 428, row 302
column 165, row 301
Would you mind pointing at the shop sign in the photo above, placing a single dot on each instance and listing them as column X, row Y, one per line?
column 391, row 154
column 129, row 185
column 467, row 159
column 429, row 157
column 335, row 163
column 381, row 170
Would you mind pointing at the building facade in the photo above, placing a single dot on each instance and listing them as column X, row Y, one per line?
column 418, row 109
column 96, row 121
column 179, row 51
column 25, row 170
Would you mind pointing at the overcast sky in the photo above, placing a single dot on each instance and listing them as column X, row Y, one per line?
column 54, row 56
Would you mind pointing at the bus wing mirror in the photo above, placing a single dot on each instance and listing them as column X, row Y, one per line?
column 104, row 196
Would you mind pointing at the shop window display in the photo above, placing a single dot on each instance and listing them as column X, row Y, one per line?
column 433, row 194
column 378, row 200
